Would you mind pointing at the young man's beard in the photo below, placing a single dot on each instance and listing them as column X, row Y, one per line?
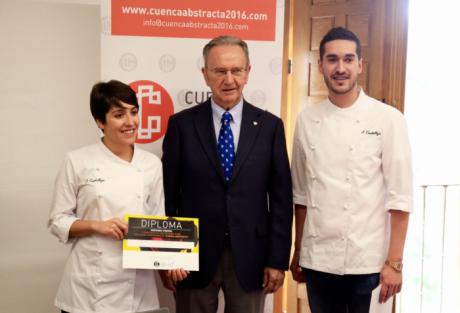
column 331, row 87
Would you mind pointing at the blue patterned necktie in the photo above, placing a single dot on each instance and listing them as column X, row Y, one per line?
column 226, row 147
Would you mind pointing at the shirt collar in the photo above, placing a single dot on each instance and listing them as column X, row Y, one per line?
column 348, row 110
column 113, row 156
column 236, row 111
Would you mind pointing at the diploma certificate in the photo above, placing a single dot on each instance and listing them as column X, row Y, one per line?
column 161, row 242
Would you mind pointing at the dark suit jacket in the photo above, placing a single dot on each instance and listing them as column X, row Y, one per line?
column 256, row 205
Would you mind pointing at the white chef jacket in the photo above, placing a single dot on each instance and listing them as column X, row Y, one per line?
column 95, row 184
column 349, row 167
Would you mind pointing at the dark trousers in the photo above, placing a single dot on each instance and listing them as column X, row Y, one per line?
column 330, row 293
column 205, row 300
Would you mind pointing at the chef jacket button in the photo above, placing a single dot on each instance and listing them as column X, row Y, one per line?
column 139, row 170
column 138, row 196
column 99, row 252
column 351, row 148
column 343, row 238
column 97, row 169
column 312, row 147
column 313, row 177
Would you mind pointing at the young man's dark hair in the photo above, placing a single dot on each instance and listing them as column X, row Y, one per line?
column 339, row 33
column 106, row 95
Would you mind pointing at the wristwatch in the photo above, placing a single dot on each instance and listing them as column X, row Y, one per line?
column 396, row 265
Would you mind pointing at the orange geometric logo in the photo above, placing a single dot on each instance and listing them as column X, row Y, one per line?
column 155, row 108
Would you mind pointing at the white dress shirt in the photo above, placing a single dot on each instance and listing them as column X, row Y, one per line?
column 349, row 167
column 95, row 184
column 235, row 124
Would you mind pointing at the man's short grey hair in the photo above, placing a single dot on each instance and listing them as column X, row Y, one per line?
column 225, row 41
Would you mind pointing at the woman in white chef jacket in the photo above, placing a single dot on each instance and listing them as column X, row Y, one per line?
column 95, row 187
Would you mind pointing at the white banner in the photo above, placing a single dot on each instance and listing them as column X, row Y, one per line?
column 156, row 47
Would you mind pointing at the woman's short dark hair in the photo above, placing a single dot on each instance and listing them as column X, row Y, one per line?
column 339, row 33
column 106, row 95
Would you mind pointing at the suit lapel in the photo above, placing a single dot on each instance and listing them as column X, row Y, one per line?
column 205, row 128
column 250, row 125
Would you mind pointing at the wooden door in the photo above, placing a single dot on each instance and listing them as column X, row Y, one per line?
column 381, row 26
column 311, row 20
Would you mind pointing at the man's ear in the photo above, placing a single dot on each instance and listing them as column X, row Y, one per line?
column 205, row 75
column 320, row 66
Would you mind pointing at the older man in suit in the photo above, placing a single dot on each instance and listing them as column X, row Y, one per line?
column 225, row 162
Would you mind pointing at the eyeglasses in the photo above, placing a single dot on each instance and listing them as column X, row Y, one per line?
column 222, row 72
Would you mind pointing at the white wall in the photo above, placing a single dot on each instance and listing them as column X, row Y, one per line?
column 49, row 59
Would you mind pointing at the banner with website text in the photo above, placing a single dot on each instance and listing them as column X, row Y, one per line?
column 156, row 47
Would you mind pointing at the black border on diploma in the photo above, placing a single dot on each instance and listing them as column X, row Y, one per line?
column 161, row 242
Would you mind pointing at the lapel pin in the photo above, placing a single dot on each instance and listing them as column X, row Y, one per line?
column 254, row 123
